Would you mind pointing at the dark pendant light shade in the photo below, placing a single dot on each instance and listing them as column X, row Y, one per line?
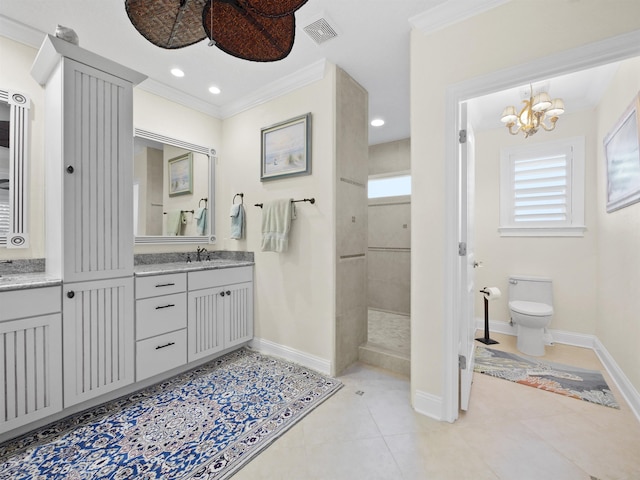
column 168, row 23
column 243, row 33
column 256, row 30
column 273, row 8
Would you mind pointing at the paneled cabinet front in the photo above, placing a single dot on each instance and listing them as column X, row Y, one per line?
column 220, row 311
column 30, row 356
column 88, row 149
column 98, row 338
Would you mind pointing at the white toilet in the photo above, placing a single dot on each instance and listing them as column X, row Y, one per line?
column 531, row 309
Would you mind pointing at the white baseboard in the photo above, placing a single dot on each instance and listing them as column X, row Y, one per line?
column 629, row 392
column 429, row 405
column 310, row 361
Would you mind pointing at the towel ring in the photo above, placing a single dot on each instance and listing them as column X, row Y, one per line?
column 203, row 200
column 241, row 195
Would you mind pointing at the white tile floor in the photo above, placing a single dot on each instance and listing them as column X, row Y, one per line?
column 512, row 432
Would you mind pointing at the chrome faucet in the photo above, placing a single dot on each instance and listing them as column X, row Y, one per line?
column 198, row 252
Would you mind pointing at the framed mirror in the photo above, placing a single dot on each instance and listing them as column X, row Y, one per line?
column 14, row 169
column 173, row 190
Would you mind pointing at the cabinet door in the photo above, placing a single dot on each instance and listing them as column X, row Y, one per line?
column 205, row 326
column 98, row 174
column 238, row 315
column 98, row 338
column 30, row 370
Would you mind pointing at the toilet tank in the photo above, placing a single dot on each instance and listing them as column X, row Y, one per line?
column 531, row 289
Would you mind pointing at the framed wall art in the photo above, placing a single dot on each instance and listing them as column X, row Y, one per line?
column 286, row 149
column 181, row 175
column 622, row 153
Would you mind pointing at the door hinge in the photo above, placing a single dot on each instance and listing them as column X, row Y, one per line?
column 462, row 249
column 462, row 136
column 462, row 362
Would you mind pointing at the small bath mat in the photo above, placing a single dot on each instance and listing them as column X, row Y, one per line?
column 588, row 385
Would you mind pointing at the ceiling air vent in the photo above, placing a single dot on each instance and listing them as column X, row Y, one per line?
column 320, row 31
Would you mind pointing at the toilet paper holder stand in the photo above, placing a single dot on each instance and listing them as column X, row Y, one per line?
column 486, row 340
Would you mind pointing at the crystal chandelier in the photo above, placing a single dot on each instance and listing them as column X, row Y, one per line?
column 532, row 116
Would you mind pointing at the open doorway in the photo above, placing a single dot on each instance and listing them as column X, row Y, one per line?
column 389, row 258
column 591, row 56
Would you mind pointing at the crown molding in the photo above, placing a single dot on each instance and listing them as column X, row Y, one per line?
column 162, row 90
column 450, row 12
column 303, row 77
column 21, row 33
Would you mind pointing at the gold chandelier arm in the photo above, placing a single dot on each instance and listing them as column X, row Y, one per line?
column 553, row 121
column 510, row 127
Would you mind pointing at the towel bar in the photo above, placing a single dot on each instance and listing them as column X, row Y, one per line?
column 181, row 211
column 310, row 200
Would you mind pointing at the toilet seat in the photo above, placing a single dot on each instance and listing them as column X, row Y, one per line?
column 534, row 309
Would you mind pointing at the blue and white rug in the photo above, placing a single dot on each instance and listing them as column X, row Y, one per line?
column 204, row 424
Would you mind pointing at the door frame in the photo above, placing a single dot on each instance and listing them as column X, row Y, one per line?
column 610, row 50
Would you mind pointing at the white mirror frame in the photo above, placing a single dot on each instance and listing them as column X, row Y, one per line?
column 211, row 154
column 19, row 105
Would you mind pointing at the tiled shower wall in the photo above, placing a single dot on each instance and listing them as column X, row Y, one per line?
column 389, row 269
column 351, row 218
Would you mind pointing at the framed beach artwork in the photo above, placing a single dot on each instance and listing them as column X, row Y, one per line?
column 181, row 175
column 286, row 149
column 622, row 152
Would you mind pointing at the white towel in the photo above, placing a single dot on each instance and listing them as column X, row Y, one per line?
column 237, row 221
column 276, row 223
column 175, row 219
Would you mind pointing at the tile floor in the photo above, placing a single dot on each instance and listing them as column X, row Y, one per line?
column 511, row 432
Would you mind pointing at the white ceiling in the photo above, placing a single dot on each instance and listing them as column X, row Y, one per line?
column 372, row 46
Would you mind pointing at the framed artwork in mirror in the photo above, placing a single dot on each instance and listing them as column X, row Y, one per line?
column 286, row 149
column 622, row 152
column 181, row 175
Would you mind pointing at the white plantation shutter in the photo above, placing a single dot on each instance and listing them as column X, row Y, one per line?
column 542, row 189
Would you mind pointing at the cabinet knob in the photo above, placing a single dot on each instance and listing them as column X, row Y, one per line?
column 71, row 294
column 70, row 169
column 222, row 294
column 228, row 292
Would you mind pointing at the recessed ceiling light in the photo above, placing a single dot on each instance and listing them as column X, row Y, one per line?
column 377, row 122
column 176, row 72
column 215, row 90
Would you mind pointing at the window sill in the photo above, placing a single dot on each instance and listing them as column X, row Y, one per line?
column 573, row 231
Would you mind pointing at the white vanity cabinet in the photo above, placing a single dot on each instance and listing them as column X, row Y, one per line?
column 220, row 310
column 30, row 355
column 89, row 220
column 161, row 323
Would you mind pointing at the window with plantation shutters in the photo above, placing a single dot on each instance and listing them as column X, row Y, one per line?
column 542, row 189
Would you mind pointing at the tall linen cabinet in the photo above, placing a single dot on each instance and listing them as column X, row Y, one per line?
column 89, row 218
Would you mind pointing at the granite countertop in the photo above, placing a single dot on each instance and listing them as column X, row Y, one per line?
column 178, row 267
column 21, row 281
column 30, row 273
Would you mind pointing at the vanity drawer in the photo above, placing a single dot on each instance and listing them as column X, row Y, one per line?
column 158, row 315
column 30, row 302
column 160, row 354
column 160, row 285
column 223, row 276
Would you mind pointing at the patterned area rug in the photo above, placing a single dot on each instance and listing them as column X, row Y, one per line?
column 588, row 385
column 204, row 424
